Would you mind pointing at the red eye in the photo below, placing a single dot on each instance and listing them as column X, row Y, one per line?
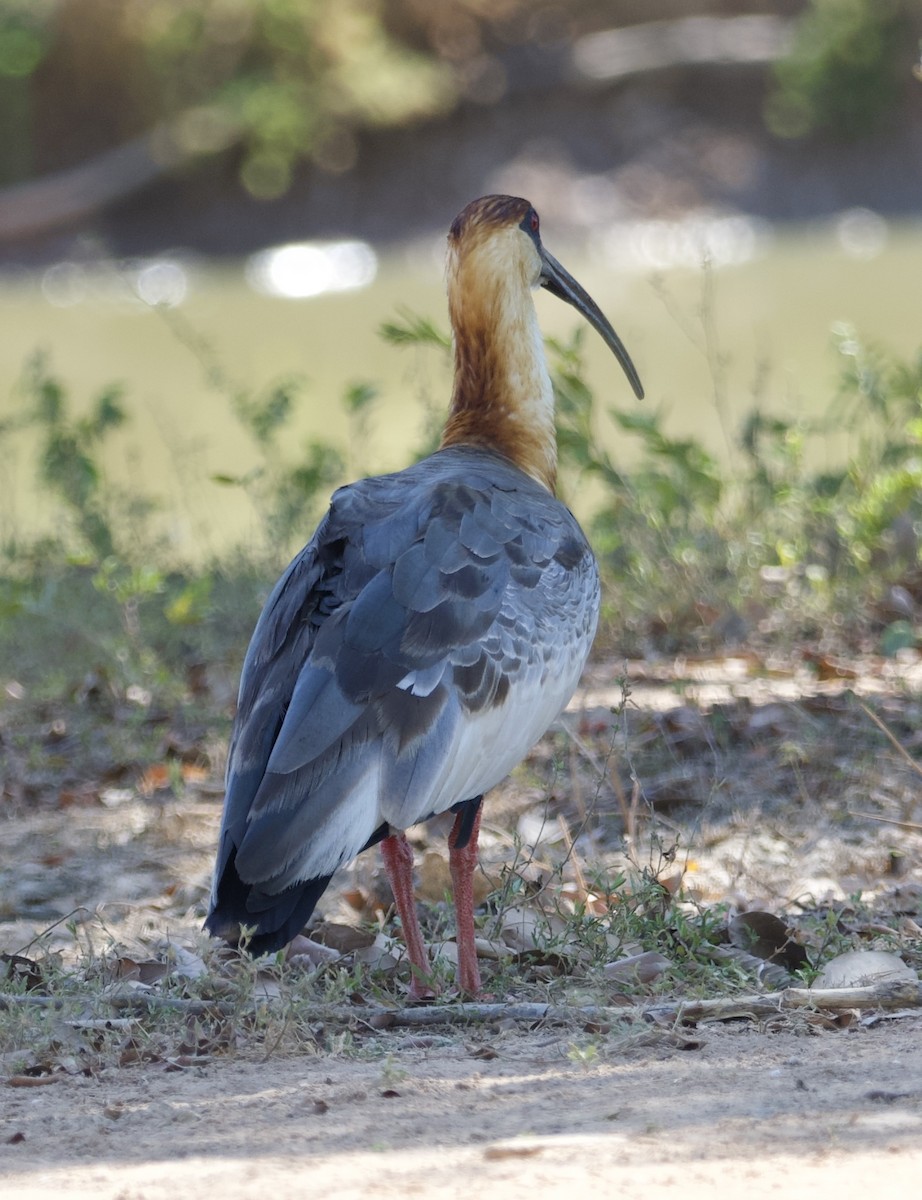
column 529, row 224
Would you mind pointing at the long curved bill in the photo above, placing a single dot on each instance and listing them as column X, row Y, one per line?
column 561, row 283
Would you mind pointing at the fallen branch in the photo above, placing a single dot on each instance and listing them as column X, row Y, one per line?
column 900, row 994
column 903, row 994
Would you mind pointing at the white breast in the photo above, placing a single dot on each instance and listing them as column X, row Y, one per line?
column 490, row 743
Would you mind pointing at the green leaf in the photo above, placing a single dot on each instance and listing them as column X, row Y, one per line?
column 414, row 330
column 359, row 396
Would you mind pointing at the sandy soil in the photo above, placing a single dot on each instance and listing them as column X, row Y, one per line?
column 834, row 1113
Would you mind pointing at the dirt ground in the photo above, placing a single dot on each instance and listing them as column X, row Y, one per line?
column 766, row 1108
column 838, row 1113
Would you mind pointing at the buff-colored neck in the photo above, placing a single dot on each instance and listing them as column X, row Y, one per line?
column 502, row 399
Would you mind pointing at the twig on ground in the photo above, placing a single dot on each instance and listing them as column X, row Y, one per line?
column 901, row 994
column 724, row 1008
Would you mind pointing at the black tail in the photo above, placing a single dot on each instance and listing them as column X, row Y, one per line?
column 276, row 918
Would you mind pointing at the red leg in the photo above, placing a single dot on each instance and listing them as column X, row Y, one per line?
column 462, row 864
column 398, row 862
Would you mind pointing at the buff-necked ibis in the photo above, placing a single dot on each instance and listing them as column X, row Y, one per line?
column 428, row 634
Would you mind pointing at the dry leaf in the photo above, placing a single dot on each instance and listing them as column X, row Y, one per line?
column 183, row 962
column 22, row 970
column 765, row 936
column 356, row 898
column 528, row 928
column 640, row 968
column 445, row 950
column 155, row 779
column 193, row 773
column 303, row 950
column 435, row 880
column 518, row 1149
column 382, row 955
column 344, row 938
column 266, row 987
column 487, row 948
column 147, row 972
column 827, row 667
column 860, row 968
column 520, row 928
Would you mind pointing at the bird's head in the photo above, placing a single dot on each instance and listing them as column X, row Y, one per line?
column 496, row 240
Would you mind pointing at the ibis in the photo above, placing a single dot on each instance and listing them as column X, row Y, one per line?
column 428, row 634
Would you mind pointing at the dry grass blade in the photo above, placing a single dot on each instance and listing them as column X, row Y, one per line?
column 868, row 816
column 902, row 751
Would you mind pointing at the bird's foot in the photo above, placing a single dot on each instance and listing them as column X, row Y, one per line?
column 422, row 988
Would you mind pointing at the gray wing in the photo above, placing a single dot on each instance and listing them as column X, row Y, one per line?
column 415, row 604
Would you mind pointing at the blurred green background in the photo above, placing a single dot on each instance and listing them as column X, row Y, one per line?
column 737, row 183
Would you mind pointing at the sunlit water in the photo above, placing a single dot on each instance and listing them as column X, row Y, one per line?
column 719, row 314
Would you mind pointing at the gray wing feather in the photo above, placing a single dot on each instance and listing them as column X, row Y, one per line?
column 416, row 602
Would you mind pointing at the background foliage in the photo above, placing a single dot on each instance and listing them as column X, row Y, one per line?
column 279, row 82
column 694, row 558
